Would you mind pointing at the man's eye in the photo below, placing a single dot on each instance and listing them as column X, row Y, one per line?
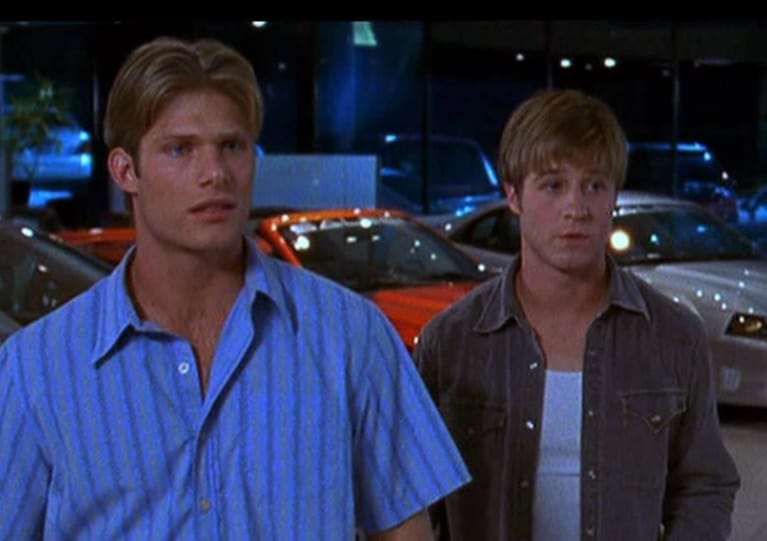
column 233, row 145
column 178, row 149
column 597, row 186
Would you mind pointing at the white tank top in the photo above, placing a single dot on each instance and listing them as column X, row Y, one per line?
column 557, row 505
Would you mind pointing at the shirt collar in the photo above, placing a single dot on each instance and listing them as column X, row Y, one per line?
column 262, row 280
column 502, row 306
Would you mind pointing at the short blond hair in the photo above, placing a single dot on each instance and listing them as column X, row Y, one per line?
column 159, row 70
column 561, row 126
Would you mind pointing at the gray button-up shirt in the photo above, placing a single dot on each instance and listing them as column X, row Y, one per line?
column 652, row 455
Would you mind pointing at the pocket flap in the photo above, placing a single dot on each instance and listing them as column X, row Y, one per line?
column 656, row 408
column 468, row 420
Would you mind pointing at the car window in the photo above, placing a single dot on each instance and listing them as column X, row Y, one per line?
column 497, row 231
column 369, row 253
column 37, row 275
column 650, row 169
column 676, row 235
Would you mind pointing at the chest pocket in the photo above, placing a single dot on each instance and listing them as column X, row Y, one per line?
column 471, row 421
column 656, row 409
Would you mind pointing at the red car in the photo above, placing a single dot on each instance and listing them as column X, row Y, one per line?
column 407, row 269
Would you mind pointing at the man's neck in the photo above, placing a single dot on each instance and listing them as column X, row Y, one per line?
column 550, row 291
column 181, row 287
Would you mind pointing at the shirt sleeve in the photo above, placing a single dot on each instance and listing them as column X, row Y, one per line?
column 404, row 456
column 702, row 478
column 24, row 473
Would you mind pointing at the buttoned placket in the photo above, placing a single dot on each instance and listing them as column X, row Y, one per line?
column 533, row 378
column 203, row 498
column 592, row 374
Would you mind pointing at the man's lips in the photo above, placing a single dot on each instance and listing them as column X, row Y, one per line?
column 213, row 205
column 574, row 236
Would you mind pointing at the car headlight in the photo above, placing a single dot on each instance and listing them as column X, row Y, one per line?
column 748, row 325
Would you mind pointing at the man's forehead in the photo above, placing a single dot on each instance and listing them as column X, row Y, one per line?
column 593, row 167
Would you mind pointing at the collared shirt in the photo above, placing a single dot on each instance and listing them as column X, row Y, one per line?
column 315, row 420
column 651, row 449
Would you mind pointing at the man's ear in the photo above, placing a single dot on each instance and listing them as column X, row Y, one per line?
column 122, row 170
column 513, row 197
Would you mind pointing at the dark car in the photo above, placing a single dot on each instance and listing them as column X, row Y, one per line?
column 461, row 176
column 39, row 273
column 700, row 176
column 7, row 326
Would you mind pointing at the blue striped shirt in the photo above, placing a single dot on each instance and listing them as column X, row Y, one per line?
column 315, row 420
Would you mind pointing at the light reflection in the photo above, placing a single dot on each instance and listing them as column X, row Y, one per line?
column 301, row 243
column 620, row 240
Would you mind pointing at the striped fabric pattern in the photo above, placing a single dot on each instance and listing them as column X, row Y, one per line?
column 315, row 420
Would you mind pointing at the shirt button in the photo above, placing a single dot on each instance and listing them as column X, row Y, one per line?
column 205, row 505
column 590, row 532
column 183, row 368
column 530, row 425
column 533, row 365
column 524, row 483
column 591, row 413
column 592, row 475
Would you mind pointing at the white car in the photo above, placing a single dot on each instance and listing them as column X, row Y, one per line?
column 686, row 252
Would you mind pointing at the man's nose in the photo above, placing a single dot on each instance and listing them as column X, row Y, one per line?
column 575, row 204
column 213, row 168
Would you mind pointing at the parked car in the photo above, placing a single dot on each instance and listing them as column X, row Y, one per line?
column 686, row 252
column 700, row 176
column 402, row 265
column 405, row 267
column 39, row 273
column 754, row 207
column 108, row 244
column 461, row 177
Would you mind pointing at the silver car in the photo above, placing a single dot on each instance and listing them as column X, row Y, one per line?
column 687, row 253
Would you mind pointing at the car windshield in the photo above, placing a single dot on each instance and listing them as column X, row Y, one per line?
column 651, row 169
column 668, row 235
column 38, row 274
column 366, row 253
column 455, row 168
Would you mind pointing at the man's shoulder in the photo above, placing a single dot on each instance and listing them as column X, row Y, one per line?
column 664, row 310
column 466, row 311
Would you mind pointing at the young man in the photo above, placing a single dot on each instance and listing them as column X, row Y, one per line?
column 204, row 390
column 581, row 398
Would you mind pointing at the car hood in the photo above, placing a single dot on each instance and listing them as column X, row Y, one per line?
column 723, row 286
column 410, row 308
